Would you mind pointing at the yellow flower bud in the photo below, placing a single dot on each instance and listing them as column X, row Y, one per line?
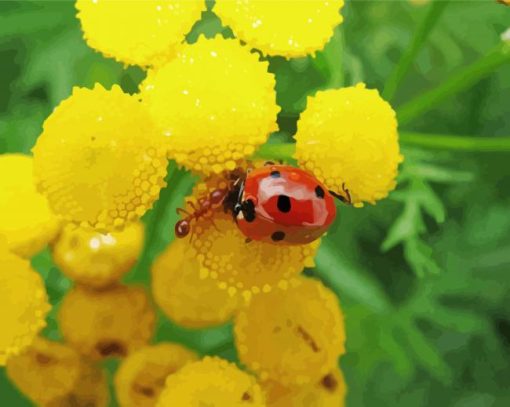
column 348, row 139
column 215, row 103
column 295, row 336
column 108, row 323
column 46, row 371
column 23, row 304
column 214, row 382
column 183, row 296
column 141, row 376
column 137, row 32
column 280, row 28
column 26, row 221
column 98, row 160
column 95, row 259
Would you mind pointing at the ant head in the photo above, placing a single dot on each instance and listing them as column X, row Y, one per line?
column 182, row 228
column 217, row 196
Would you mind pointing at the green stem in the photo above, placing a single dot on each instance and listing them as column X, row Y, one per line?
column 458, row 143
column 420, row 36
column 456, row 83
column 285, row 151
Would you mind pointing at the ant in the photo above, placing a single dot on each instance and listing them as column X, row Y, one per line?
column 226, row 197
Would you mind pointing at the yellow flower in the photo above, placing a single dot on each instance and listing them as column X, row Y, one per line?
column 141, row 376
column 109, row 323
column 23, row 304
column 294, row 337
column 90, row 390
column 95, row 259
column 46, row 371
column 348, row 138
column 137, row 32
column 327, row 392
column 26, row 221
column 280, row 28
column 241, row 267
column 183, row 296
column 215, row 103
column 98, row 160
column 211, row 382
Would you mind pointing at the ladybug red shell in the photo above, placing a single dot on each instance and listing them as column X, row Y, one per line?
column 284, row 204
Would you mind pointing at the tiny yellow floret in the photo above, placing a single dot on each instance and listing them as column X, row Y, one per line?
column 211, row 382
column 280, row 28
column 183, row 296
column 26, row 221
column 106, row 323
column 98, row 160
column 141, row 33
column 294, row 336
column 23, row 304
column 98, row 259
column 348, row 138
column 140, row 378
column 214, row 103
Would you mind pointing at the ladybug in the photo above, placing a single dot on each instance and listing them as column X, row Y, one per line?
column 283, row 204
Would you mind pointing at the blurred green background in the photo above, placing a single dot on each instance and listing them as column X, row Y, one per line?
column 424, row 276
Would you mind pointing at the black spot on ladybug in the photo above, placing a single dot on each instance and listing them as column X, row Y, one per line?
column 319, row 192
column 248, row 208
column 283, row 203
column 277, row 236
column 275, row 174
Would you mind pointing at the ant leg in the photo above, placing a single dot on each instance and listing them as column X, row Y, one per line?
column 192, row 204
column 181, row 211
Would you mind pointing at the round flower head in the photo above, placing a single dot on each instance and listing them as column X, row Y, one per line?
column 348, row 139
column 277, row 28
column 137, row 32
column 46, row 371
column 329, row 391
column 109, row 323
column 241, row 267
column 211, row 382
column 98, row 161
column 294, row 337
column 90, row 389
column 23, row 304
column 215, row 103
column 26, row 221
column 95, row 259
column 141, row 376
column 183, row 296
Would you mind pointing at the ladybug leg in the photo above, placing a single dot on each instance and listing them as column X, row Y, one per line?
column 267, row 163
column 247, row 240
column 345, row 199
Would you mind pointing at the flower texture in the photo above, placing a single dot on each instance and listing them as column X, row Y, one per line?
column 98, row 161
column 213, row 382
column 46, row 371
column 23, row 304
column 183, row 296
column 137, row 32
column 108, row 323
column 294, row 337
column 141, row 376
column 215, row 103
column 327, row 392
column 246, row 268
column 95, row 259
column 26, row 221
column 348, row 138
column 275, row 28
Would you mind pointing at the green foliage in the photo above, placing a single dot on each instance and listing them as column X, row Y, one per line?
column 422, row 276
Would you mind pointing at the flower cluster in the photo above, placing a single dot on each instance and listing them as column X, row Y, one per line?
column 99, row 166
